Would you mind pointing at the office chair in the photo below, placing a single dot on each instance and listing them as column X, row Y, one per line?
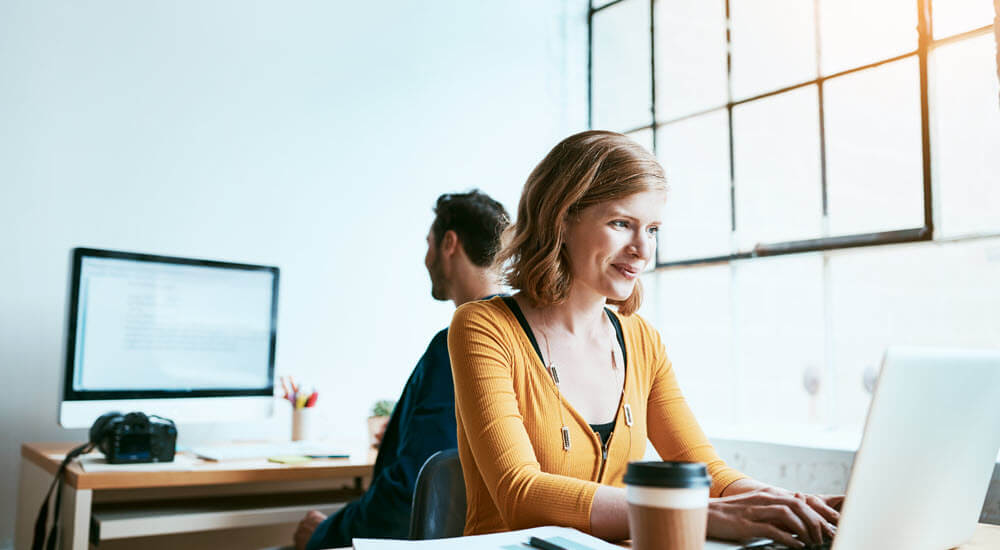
column 439, row 498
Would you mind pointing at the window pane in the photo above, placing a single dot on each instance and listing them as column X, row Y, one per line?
column 643, row 137
column 873, row 150
column 696, row 220
column 621, row 70
column 690, row 56
column 859, row 32
column 773, row 45
column 957, row 16
column 599, row 3
column 921, row 294
column 966, row 138
column 778, row 339
column 695, row 320
column 776, row 159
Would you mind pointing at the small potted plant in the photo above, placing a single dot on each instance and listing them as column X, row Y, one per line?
column 381, row 412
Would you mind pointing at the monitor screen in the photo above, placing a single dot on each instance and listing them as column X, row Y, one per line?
column 144, row 327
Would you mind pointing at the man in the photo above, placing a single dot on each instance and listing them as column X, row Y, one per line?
column 461, row 245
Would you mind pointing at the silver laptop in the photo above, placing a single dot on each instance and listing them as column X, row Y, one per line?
column 931, row 439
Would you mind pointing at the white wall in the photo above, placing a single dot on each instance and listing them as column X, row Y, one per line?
column 310, row 135
column 816, row 469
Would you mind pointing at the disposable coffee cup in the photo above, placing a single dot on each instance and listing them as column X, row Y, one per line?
column 667, row 505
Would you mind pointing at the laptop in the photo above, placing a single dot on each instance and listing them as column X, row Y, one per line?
column 930, row 443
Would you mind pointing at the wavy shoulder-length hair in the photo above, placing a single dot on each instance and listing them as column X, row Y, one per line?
column 583, row 170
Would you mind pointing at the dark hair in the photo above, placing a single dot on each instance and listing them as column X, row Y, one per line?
column 477, row 219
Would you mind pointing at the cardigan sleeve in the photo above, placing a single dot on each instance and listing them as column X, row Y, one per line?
column 672, row 427
column 487, row 407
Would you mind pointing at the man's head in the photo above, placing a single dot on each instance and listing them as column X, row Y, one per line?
column 467, row 223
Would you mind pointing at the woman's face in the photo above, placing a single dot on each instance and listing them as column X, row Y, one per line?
column 609, row 244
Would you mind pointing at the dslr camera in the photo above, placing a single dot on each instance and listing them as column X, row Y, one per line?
column 134, row 438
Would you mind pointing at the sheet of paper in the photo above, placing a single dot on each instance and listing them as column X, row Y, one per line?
column 97, row 463
column 245, row 451
column 571, row 539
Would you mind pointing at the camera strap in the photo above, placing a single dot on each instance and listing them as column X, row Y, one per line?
column 43, row 513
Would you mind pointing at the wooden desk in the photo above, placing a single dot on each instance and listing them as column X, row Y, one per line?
column 986, row 536
column 244, row 503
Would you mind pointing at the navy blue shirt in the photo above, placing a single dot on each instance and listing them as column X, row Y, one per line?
column 422, row 424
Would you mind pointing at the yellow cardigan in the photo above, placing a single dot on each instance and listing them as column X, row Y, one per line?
column 517, row 474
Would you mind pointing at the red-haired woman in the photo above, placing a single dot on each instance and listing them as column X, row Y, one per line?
column 555, row 392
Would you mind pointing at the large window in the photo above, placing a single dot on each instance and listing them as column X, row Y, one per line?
column 823, row 128
column 805, row 125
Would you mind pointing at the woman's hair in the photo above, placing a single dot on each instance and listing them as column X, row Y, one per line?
column 583, row 170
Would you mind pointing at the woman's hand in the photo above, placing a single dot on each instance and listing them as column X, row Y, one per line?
column 776, row 514
column 828, row 506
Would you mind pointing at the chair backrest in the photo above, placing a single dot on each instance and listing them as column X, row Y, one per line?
column 439, row 498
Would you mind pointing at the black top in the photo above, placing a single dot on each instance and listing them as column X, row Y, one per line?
column 602, row 430
column 516, row 310
column 422, row 424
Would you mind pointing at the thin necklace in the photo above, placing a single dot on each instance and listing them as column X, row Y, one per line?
column 554, row 373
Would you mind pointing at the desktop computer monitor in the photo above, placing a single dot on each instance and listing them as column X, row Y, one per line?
column 190, row 340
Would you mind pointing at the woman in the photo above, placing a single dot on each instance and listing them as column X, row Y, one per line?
column 556, row 393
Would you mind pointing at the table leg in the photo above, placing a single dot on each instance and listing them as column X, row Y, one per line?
column 31, row 487
column 75, row 518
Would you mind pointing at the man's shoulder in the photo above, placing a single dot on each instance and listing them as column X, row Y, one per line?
column 437, row 350
column 441, row 338
column 434, row 367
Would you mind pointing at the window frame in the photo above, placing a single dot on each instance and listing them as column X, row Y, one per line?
column 925, row 44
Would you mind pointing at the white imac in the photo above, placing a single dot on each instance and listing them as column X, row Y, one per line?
column 189, row 340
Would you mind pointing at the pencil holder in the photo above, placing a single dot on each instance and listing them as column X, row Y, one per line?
column 301, row 420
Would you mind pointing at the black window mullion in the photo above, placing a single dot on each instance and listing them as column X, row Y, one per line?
column 652, row 104
column 652, row 71
column 822, row 116
column 925, row 44
column 639, row 128
column 819, row 79
column 604, row 7
column 925, row 30
column 898, row 236
column 590, row 64
column 729, row 116
column 987, row 29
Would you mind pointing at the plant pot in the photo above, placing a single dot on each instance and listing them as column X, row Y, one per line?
column 375, row 424
column 301, row 421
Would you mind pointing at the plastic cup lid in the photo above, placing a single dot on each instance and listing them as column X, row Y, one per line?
column 673, row 475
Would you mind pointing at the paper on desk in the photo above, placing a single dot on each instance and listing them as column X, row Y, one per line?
column 97, row 463
column 571, row 539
